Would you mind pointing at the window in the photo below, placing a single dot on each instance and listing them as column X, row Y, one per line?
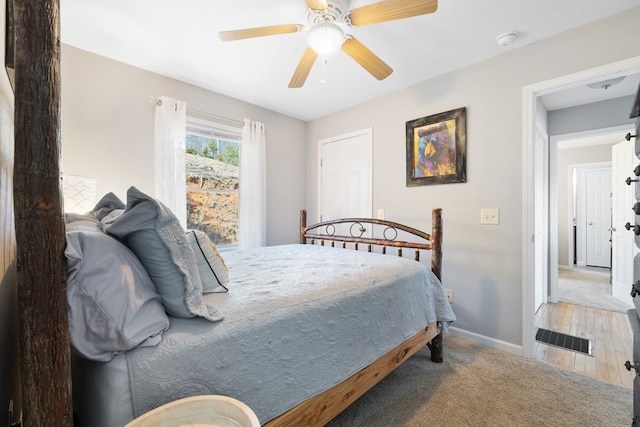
column 212, row 177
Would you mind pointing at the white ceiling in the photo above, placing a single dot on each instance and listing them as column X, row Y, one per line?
column 178, row 38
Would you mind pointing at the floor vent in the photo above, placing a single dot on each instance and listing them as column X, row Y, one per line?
column 568, row 342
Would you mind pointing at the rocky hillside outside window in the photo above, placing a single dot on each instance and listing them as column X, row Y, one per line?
column 212, row 171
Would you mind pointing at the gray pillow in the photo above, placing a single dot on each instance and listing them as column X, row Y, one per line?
column 113, row 306
column 211, row 267
column 108, row 203
column 75, row 222
column 155, row 235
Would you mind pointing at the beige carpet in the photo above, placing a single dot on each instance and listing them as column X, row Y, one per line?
column 479, row 386
column 589, row 287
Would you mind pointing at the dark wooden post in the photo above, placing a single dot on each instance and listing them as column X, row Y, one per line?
column 40, row 238
column 436, row 240
column 436, row 346
column 303, row 225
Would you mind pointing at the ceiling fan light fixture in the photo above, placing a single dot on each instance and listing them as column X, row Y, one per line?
column 325, row 38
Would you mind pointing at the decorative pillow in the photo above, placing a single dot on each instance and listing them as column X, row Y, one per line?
column 155, row 235
column 213, row 271
column 113, row 306
column 108, row 203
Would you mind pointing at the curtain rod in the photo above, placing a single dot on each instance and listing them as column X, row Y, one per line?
column 215, row 117
column 208, row 116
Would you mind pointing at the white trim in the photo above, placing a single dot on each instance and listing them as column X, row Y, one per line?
column 368, row 132
column 484, row 340
column 552, row 285
column 592, row 132
column 529, row 96
column 208, row 128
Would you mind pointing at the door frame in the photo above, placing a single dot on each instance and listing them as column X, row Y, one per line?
column 554, row 141
column 367, row 132
column 541, row 283
column 530, row 94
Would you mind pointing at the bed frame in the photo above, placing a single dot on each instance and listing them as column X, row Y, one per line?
column 322, row 408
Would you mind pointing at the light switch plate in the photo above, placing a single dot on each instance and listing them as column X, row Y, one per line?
column 490, row 216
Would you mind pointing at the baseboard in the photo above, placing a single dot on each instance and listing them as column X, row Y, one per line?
column 484, row 340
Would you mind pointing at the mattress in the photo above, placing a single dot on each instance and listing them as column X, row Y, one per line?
column 298, row 319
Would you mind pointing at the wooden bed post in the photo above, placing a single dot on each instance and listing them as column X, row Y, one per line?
column 303, row 225
column 436, row 235
column 40, row 238
column 436, row 267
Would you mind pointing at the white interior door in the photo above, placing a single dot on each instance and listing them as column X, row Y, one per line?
column 598, row 217
column 345, row 176
column 623, row 247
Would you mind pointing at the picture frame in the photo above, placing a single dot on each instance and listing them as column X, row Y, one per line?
column 9, row 43
column 436, row 148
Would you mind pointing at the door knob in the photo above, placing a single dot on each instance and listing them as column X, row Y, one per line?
column 636, row 171
column 636, row 228
column 629, row 366
column 635, row 289
column 629, row 136
column 629, row 180
column 636, row 208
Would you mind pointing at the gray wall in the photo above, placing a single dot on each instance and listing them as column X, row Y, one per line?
column 481, row 263
column 108, row 123
column 598, row 115
column 9, row 343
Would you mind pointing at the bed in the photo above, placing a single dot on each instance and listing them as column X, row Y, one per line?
column 297, row 332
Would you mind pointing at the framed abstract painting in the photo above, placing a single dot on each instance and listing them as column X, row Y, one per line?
column 436, row 148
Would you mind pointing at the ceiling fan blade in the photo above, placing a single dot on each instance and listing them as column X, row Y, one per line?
column 369, row 61
column 304, row 67
column 391, row 10
column 248, row 33
column 317, row 4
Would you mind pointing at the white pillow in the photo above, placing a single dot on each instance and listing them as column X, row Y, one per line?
column 213, row 271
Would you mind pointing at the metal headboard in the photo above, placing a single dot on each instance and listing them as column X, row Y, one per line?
column 357, row 228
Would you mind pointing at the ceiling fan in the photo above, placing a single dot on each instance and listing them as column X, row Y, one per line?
column 328, row 20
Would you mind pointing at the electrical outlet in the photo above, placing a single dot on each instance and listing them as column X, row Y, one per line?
column 449, row 293
column 490, row 216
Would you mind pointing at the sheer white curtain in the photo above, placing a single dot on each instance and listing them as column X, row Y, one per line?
column 169, row 148
column 252, row 221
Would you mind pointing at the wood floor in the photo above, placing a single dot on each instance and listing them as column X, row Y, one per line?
column 609, row 330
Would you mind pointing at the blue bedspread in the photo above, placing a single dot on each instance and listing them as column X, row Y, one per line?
column 298, row 319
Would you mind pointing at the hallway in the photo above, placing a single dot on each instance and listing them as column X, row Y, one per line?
column 609, row 331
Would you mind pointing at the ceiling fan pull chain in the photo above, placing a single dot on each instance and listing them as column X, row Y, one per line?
column 324, row 64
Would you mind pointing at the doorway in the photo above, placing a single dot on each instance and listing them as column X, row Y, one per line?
column 591, row 217
column 345, row 176
column 531, row 212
